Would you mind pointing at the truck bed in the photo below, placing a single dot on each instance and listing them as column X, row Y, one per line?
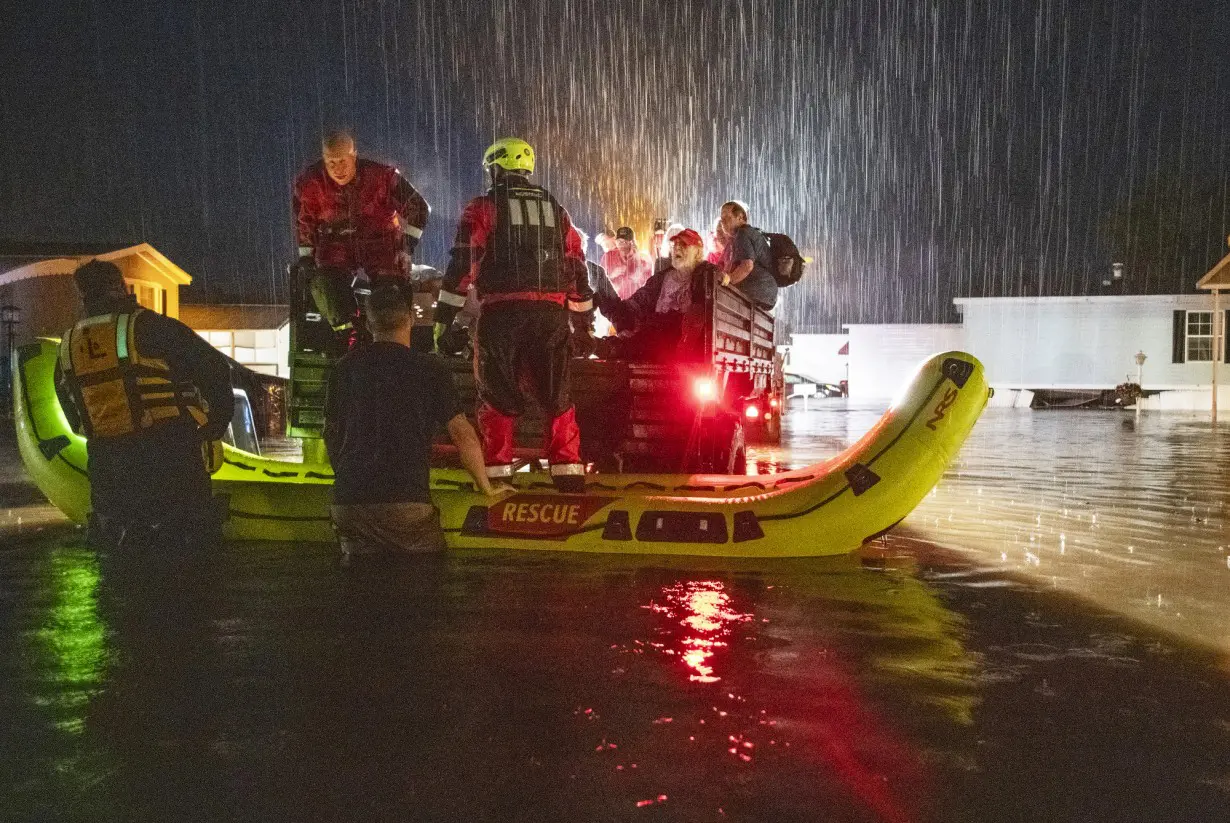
column 628, row 413
column 633, row 417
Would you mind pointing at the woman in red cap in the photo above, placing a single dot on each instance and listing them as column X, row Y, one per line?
column 651, row 322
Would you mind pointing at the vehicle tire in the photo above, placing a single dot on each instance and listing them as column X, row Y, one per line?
column 721, row 448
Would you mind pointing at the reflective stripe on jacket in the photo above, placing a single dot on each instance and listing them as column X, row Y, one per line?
column 364, row 224
column 516, row 243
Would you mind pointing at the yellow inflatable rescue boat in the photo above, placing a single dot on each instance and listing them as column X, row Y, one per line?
column 825, row 509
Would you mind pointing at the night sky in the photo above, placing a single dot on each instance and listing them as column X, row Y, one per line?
column 918, row 151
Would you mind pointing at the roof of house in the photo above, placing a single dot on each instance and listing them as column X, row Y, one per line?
column 1153, row 299
column 232, row 316
column 21, row 260
column 44, row 249
column 1218, row 276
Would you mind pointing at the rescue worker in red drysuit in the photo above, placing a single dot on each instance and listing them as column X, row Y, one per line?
column 354, row 216
column 518, row 246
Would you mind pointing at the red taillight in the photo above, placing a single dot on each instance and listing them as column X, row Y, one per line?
column 752, row 412
column 704, row 389
column 768, row 416
column 773, row 402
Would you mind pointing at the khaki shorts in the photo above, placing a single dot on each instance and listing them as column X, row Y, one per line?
column 412, row 528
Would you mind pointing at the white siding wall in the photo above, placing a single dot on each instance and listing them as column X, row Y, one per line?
column 1081, row 342
column 884, row 357
column 816, row 355
column 263, row 350
column 283, row 346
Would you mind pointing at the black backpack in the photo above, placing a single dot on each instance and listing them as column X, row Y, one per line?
column 787, row 268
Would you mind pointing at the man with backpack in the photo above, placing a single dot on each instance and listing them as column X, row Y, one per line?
column 747, row 263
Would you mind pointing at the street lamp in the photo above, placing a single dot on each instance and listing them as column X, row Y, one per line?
column 1116, row 277
column 1140, row 358
column 10, row 316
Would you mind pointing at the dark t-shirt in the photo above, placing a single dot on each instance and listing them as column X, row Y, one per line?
column 384, row 406
column 749, row 243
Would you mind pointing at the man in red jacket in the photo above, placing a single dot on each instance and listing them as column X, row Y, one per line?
column 354, row 214
column 518, row 246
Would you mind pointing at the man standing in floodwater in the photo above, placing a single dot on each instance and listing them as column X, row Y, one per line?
column 153, row 399
column 385, row 404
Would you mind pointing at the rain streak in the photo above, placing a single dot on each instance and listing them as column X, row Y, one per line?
column 916, row 151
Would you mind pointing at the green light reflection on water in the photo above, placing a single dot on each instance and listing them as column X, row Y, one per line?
column 73, row 640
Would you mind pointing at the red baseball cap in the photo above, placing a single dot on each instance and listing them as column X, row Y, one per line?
column 688, row 237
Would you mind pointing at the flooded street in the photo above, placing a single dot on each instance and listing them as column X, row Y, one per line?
column 1126, row 512
column 1045, row 639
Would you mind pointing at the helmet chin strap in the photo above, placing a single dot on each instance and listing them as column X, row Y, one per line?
column 498, row 173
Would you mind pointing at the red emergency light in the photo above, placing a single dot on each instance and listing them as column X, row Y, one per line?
column 704, row 389
column 752, row 412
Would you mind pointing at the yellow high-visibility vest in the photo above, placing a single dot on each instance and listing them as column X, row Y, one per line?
column 117, row 390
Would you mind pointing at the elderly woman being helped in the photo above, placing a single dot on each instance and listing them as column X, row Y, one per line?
column 653, row 322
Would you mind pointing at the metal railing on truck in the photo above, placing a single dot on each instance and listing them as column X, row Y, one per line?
column 741, row 335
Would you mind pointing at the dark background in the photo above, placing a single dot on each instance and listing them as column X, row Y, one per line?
column 918, row 151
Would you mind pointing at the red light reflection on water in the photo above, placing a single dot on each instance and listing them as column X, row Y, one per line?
column 703, row 608
column 828, row 717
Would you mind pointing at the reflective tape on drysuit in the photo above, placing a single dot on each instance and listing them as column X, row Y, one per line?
column 116, row 389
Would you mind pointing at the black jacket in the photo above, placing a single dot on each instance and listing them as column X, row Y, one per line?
column 190, row 358
column 639, row 309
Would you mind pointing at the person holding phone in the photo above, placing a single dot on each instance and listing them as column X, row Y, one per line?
column 627, row 268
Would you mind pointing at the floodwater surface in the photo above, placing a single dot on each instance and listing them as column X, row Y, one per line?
column 1043, row 640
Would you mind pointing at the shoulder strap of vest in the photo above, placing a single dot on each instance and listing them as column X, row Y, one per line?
column 66, row 351
column 123, row 334
column 134, row 356
column 125, row 352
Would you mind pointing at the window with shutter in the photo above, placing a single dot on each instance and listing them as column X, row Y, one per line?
column 1178, row 346
column 1225, row 338
column 1200, row 336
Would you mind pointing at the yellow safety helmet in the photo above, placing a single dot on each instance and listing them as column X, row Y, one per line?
column 510, row 154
